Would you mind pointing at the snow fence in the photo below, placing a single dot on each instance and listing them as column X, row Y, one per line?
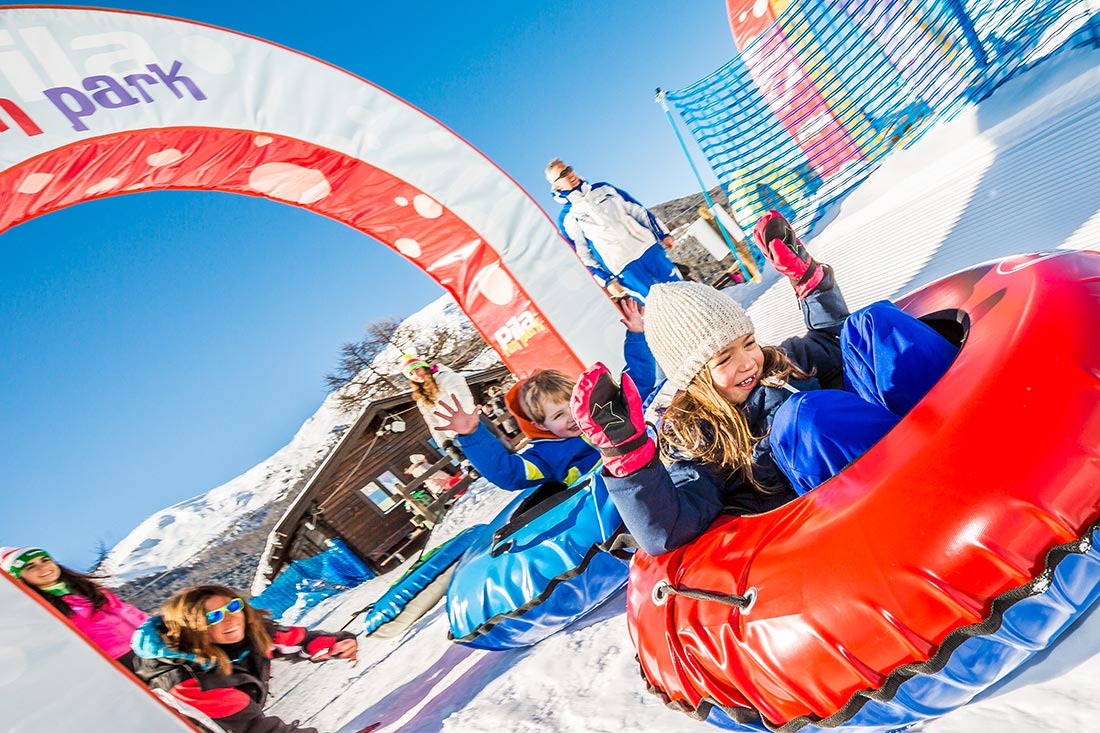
column 823, row 90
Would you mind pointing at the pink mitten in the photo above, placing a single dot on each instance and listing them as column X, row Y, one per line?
column 612, row 418
column 784, row 250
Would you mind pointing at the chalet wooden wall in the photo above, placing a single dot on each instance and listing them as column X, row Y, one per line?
column 372, row 533
column 333, row 505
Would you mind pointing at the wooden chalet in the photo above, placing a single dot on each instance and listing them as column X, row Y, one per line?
column 361, row 493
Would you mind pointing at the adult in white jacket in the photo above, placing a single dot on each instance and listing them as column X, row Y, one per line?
column 432, row 385
column 620, row 241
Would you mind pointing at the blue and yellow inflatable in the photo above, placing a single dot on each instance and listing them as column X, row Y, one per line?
column 538, row 567
column 420, row 588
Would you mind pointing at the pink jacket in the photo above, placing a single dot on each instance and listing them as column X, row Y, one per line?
column 109, row 628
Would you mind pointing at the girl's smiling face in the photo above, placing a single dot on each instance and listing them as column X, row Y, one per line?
column 735, row 369
column 40, row 572
column 231, row 628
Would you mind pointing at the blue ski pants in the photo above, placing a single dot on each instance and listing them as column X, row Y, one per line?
column 890, row 361
column 652, row 267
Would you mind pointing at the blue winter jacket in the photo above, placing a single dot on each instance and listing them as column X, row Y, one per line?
column 560, row 459
column 664, row 508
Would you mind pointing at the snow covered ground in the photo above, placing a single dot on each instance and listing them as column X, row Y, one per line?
column 1020, row 172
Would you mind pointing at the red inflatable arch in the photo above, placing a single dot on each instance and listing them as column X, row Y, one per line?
column 97, row 103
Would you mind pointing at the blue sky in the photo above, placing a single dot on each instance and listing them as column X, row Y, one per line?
column 154, row 346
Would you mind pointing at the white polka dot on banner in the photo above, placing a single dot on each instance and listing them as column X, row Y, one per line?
column 261, row 140
column 208, row 54
column 107, row 184
column 408, row 247
column 289, row 182
column 13, row 664
column 401, row 201
column 164, row 157
column 427, row 207
column 494, row 284
column 35, row 182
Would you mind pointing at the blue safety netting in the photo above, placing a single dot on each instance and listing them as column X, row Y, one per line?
column 305, row 583
column 813, row 103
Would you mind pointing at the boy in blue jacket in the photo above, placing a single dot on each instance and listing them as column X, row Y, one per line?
column 540, row 404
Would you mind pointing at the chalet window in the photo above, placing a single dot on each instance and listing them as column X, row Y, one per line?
column 383, row 491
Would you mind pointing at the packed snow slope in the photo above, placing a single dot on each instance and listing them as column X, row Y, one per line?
column 1020, row 172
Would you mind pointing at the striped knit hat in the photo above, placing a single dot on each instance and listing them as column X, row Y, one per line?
column 409, row 363
column 686, row 323
column 14, row 559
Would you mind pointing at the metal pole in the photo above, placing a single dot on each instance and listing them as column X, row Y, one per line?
column 661, row 93
column 956, row 9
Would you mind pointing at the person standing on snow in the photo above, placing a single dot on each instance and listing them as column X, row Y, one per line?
column 620, row 241
column 430, row 385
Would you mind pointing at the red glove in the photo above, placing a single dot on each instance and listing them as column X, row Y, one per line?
column 611, row 417
column 784, row 250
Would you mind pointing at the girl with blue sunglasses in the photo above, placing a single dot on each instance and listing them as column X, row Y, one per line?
column 211, row 650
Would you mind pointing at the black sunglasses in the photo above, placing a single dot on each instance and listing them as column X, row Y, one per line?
column 564, row 172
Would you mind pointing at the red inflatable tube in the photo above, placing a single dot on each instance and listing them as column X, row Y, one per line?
column 999, row 463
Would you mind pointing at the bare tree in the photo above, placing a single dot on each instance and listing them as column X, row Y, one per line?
column 359, row 379
column 101, row 553
column 356, row 377
column 456, row 348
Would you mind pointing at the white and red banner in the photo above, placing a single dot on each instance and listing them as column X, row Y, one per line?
column 97, row 103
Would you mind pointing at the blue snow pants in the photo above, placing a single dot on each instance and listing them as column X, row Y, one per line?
column 652, row 267
column 890, row 361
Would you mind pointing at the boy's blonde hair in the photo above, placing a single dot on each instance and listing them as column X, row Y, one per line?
column 544, row 384
column 701, row 424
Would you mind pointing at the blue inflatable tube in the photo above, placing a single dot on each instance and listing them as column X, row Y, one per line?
column 538, row 567
column 420, row 588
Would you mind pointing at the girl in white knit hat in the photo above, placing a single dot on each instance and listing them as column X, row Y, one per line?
column 750, row 428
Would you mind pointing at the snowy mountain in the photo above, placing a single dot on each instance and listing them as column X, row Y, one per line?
column 172, row 537
column 176, row 537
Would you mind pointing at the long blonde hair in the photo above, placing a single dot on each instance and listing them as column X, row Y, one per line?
column 184, row 616
column 701, row 424
column 426, row 391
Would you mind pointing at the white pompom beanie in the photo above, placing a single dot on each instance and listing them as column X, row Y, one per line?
column 686, row 323
column 14, row 559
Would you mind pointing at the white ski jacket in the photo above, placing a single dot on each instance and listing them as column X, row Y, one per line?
column 450, row 385
column 607, row 227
